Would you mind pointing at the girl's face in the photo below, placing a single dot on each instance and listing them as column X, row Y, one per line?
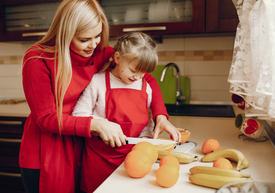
column 125, row 70
column 85, row 43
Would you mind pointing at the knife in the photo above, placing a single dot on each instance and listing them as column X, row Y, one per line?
column 135, row 140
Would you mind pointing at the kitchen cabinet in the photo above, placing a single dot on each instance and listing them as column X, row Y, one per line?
column 221, row 16
column 207, row 16
column 19, row 35
column 195, row 25
column 11, row 129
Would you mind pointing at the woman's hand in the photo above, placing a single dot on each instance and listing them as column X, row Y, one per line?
column 164, row 125
column 110, row 132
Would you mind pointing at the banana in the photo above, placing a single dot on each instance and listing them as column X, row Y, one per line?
column 183, row 158
column 212, row 181
column 217, row 171
column 244, row 164
column 232, row 154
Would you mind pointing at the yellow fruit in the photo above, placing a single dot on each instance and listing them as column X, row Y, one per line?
column 168, row 147
column 222, row 163
column 137, row 164
column 213, row 181
column 217, row 171
column 209, row 145
column 185, row 135
column 167, row 175
column 183, row 158
column 244, row 164
column 169, row 159
column 149, row 148
column 228, row 153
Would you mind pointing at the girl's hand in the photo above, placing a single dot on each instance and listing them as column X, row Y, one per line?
column 164, row 125
column 110, row 132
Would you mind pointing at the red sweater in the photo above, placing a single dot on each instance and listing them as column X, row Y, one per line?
column 42, row 147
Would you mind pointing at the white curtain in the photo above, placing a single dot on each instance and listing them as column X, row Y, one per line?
column 252, row 72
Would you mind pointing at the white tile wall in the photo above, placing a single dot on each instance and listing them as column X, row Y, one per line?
column 172, row 44
column 11, row 49
column 208, row 79
column 10, row 74
column 209, row 43
column 10, row 82
column 207, row 68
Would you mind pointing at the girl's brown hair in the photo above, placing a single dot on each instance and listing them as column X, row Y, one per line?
column 138, row 47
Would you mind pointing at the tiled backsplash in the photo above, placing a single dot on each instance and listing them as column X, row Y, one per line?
column 206, row 60
column 10, row 59
column 198, row 55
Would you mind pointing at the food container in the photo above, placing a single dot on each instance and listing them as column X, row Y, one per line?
column 248, row 186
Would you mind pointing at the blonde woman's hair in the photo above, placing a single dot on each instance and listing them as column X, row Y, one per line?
column 71, row 18
column 137, row 47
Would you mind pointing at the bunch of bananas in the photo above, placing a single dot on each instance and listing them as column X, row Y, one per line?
column 231, row 154
column 183, row 158
column 213, row 177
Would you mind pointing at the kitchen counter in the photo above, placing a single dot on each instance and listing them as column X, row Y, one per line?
column 260, row 154
column 15, row 110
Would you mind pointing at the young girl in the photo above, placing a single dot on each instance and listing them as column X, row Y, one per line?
column 121, row 95
column 55, row 72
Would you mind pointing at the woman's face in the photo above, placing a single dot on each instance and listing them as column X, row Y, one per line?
column 85, row 43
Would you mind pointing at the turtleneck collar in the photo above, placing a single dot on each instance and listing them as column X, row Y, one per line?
column 78, row 60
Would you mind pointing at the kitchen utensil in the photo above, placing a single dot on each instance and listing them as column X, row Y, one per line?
column 248, row 186
column 250, row 127
column 134, row 140
column 238, row 100
column 185, row 147
column 169, row 86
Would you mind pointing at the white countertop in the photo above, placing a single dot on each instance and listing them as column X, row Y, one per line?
column 260, row 154
column 15, row 110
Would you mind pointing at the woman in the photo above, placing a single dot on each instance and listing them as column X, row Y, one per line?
column 55, row 72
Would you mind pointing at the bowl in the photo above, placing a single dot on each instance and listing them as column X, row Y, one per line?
column 248, row 186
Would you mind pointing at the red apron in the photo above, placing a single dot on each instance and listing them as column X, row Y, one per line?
column 60, row 156
column 127, row 107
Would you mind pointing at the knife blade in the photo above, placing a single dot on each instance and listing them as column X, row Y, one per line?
column 134, row 140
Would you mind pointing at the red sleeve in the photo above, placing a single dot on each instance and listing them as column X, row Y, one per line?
column 38, row 84
column 157, row 105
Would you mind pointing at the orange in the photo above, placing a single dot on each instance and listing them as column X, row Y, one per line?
column 169, row 159
column 222, row 163
column 149, row 148
column 137, row 164
column 168, row 147
column 167, row 175
column 185, row 135
column 209, row 145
